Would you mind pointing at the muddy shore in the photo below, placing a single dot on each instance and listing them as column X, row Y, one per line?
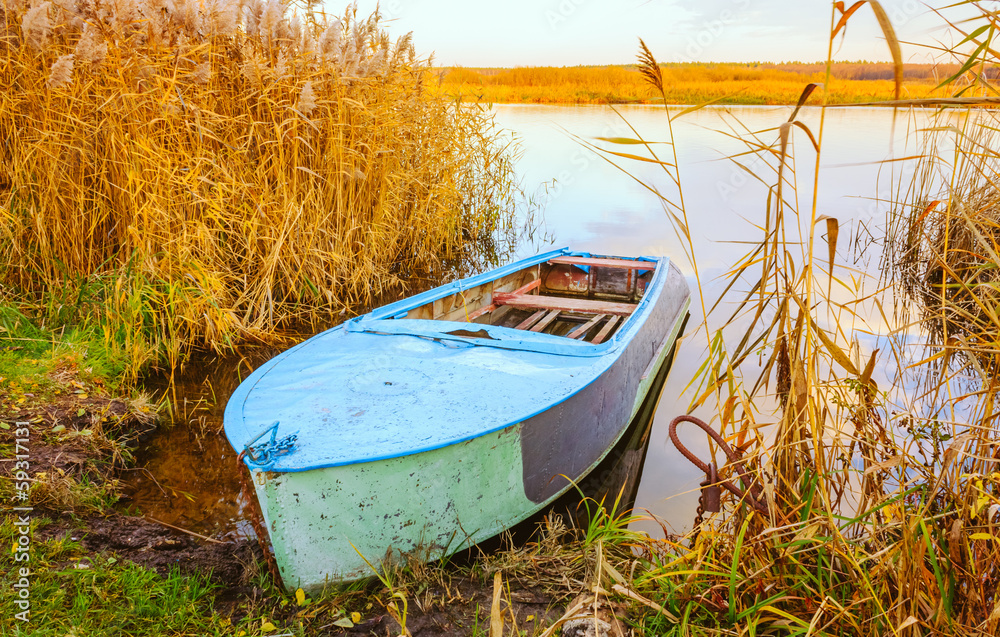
column 80, row 447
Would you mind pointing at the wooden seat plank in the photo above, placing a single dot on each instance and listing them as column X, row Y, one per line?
column 531, row 320
column 586, row 327
column 564, row 304
column 489, row 308
column 545, row 322
column 607, row 263
column 524, row 289
column 483, row 310
column 603, row 334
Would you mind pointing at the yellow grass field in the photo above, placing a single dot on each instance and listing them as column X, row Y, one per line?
column 688, row 83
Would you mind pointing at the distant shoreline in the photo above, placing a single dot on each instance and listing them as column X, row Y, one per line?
column 755, row 83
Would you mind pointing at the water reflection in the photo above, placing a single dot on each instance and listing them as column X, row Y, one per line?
column 188, row 474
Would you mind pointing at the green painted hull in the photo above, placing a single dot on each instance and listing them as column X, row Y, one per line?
column 340, row 523
column 334, row 524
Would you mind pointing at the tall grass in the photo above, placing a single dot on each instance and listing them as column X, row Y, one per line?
column 196, row 173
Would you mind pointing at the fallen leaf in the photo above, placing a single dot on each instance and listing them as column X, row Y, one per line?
column 344, row 622
column 909, row 621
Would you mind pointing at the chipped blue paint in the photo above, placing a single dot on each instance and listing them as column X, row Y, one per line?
column 377, row 388
column 415, row 439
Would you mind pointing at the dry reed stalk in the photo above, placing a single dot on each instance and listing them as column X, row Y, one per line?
column 208, row 173
column 883, row 505
column 944, row 239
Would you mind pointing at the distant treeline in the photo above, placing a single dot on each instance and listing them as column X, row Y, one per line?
column 841, row 70
column 876, row 70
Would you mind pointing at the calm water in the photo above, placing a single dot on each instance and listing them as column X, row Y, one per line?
column 591, row 205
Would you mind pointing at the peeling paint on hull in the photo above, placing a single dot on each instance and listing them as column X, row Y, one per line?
column 329, row 519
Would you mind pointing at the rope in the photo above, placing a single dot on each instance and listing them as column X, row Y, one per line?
column 752, row 495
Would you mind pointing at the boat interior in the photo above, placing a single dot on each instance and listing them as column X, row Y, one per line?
column 583, row 298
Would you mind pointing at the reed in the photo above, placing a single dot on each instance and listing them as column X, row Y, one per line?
column 881, row 502
column 943, row 244
column 192, row 173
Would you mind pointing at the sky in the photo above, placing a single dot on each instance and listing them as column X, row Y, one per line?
column 507, row 33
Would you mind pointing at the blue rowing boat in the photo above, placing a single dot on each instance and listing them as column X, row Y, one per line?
column 437, row 421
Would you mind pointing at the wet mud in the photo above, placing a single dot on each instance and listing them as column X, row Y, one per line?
column 81, row 435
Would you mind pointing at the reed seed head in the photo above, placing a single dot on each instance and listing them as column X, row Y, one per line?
column 649, row 68
column 202, row 73
column 221, row 17
column 61, row 72
column 91, row 48
column 329, row 41
column 36, row 27
column 271, row 22
column 307, row 99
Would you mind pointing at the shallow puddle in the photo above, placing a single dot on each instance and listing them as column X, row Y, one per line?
column 190, row 481
column 186, row 473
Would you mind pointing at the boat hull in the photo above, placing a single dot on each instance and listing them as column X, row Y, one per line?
column 408, row 431
column 335, row 524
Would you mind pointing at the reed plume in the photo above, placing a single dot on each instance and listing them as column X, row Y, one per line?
column 36, row 27
column 62, row 72
column 307, row 99
column 91, row 48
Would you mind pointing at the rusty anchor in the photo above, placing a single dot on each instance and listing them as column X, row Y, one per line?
column 711, row 486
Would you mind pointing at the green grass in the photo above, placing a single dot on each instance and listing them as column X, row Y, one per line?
column 30, row 351
column 75, row 593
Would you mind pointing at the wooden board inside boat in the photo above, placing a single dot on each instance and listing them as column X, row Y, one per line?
column 582, row 298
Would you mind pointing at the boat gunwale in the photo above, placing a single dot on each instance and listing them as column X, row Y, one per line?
column 623, row 336
column 387, row 319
